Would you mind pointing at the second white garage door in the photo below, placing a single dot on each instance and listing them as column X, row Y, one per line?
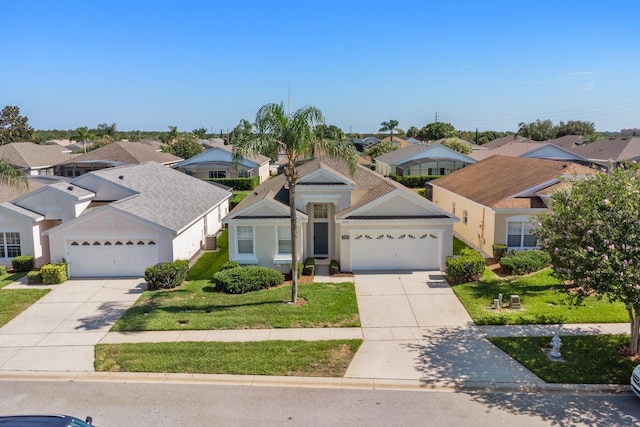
column 395, row 251
column 116, row 257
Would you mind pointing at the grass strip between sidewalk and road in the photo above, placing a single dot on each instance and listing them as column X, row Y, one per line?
column 15, row 301
column 279, row 358
column 587, row 359
column 542, row 301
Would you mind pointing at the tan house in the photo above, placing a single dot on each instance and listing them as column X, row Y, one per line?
column 496, row 197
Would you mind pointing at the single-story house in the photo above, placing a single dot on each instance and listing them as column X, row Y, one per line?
column 34, row 159
column 113, row 222
column 217, row 162
column 118, row 153
column 496, row 198
column 416, row 160
column 365, row 221
column 532, row 150
column 614, row 150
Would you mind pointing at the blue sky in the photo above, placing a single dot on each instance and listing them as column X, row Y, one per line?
column 489, row 65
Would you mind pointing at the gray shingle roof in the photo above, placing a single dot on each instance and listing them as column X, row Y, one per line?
column 617, row 149
column 164, row 196
column 131, row 153
column 27, row 155
column 398, row 156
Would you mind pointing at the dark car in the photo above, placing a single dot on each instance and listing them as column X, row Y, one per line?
column 43, row 420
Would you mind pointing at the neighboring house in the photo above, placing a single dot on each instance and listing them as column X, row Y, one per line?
column 496, row 197
column 417, row 160
column 365, row 143
column 217, row 162
column 610, row 151
column 34, row 159
column 113, row 222
column 117, row 153
column 499, row 142
column 532, row 150
column 365, row 221
column 400, row 142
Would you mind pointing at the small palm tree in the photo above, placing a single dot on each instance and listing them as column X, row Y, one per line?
column 82, row 135
column 390, row 126
column 12, row 177
column 294, row 135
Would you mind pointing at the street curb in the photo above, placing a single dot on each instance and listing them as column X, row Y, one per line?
column 312, row 382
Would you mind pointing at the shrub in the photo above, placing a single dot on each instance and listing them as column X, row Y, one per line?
column 246, row 279
column 166, row 275
column 300, row 268
column 22, row 263
column 525, row 262
column 229, row 264
column 334, row 267
column 468, row 267
column 309, row 267
column 499, row 250
column 417, row 181
column 238, row 184
column 34, row 277
column 3, row 270
column 53, row 274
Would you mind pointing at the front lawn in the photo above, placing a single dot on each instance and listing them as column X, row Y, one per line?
column 588, row 359
column 197, row 305
column 542, row 302
column 15, row 301
column 210, row 262
column 282, row 358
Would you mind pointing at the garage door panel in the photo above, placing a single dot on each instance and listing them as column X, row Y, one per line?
column 96, row 258
column 413, row 250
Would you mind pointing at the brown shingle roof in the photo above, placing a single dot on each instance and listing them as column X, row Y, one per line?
column 27, row 155
column 499, row 142
column 493, row 182
column 132, row 153
column 512, row 149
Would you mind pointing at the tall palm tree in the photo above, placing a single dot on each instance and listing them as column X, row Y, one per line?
column 82, row 135
column 276, row 131
column 12, row 177
column 390, row 126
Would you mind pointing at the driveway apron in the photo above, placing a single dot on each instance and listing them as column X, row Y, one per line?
column 59, row 332
column 415, row 328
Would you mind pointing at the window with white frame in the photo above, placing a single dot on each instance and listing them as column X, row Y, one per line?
column 245, row 239
column 320, row 211
column 10, row 246
column 284, row 240
column 520, row 234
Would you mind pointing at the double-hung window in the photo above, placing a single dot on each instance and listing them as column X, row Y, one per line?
column 245, row 239
column 10, row 246
column 520, row 234
column 284, row 240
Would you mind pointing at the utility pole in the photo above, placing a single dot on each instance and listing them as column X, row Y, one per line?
column 436, row 117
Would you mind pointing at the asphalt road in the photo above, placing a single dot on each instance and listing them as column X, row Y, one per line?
column 152, row 404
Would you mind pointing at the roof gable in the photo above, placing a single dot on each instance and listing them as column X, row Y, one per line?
column 223, row 153
column 325, row 175
column 397, row 204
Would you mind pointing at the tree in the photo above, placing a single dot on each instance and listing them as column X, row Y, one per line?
column 12, row 177
column 592, row 233
column 185, row 146
column 329, row 132
column 381, row 148
column 437, row 130
column 458, row 145
column 575, row 127
column 242, row 131
column 540, row 130
column 295, row 137
column 82, row 135
column 105, row 129
column 171, row 136
column 200, row 133
column 412, row 132
column 390, row 126
column 13, row 126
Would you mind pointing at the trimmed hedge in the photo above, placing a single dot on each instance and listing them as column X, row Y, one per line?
column 417, row 181
column 300, row 268
column 246, row 279
column 525, row 262
column 309, row 267
column 34, row 277
column 468, row 267
column 334, row 267
column 166, row 275
column 238, row 184
column 499, row 250
column 53, row 274
column 23, row 263
column 229, row 264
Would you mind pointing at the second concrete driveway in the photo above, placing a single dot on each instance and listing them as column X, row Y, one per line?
column 416, row 328
column 59, row 332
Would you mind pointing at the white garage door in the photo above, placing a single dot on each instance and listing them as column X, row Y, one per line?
column 99, row 258
column 395, row 251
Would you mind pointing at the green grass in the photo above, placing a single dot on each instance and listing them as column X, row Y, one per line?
column 542, row 302
column 589, row 359
column 196, row 305
column 210, row 262
column 238, row 196
column 15, row 301
column 282, row 358
column 458, row 245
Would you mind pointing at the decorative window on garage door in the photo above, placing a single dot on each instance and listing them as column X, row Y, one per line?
column 109, row 242
column 10, row 244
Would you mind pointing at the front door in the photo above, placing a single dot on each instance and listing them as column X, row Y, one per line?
column 321, row 239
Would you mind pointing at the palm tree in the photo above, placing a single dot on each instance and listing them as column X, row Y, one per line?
column 389, row 126
column 294, row 136
column 12, row 177
column 82, row 135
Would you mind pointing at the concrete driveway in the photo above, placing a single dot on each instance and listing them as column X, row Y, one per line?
column 59, row 332
column 415, row 328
